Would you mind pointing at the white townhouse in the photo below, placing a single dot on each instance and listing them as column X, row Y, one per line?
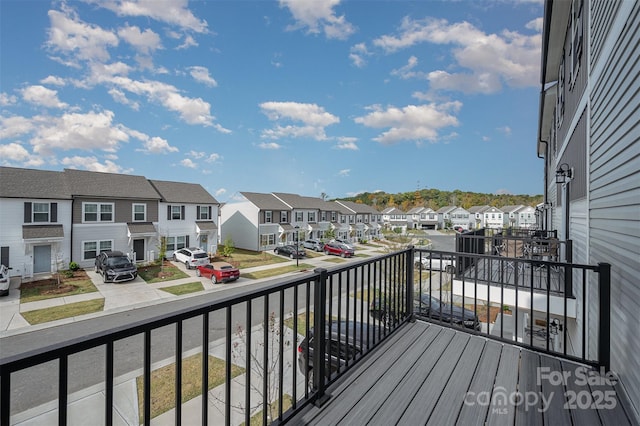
column 589, row 140
column 493, row 218
column 444, row 216
column 368, row 221
column 527, row 217
column 510, row 216
column 460, row 217
column 394, row 218
column 187, row 216
column 476, row 216
column 422, row 218
column 35, row 221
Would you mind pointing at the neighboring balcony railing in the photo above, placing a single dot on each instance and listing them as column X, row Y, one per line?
column 283, row 344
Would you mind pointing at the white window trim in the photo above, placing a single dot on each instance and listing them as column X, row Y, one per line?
column 204, row 213
column 98, row 212
column 33, row 213
column 98, row 249
column 268, row 216
column 133, row 212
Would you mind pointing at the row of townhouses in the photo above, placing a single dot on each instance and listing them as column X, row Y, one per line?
column 262, row 221
column 49, row 218
column 475, row 217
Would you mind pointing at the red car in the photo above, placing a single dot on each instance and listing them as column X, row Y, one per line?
column 338, row 249
column 218, row 272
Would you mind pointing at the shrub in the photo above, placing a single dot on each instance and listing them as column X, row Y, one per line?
column 73, row 266
column 68, row 273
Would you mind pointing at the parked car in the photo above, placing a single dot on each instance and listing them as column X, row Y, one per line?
column 191, row 257
column 115, row 266
column 343, row 343
column 346, row 242
column 338, row 249
column 312, row 244
column 290, row 251
column 218, row 272
column 458, row 228
column 435, row 262
column 5, row 280
column 428, row 307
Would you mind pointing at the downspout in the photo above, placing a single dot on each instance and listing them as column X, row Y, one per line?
column 546, row 31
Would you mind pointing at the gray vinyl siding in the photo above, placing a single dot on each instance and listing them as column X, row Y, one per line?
column 123, row 209
column 602, row 14
column 614, row 206
column 575, row 155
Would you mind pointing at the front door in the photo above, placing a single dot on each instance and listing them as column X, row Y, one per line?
column 204, row 239
column 41, row 259
column 138, row 249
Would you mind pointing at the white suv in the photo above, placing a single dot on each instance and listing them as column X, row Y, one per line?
column 191, row 257
column 5, row 280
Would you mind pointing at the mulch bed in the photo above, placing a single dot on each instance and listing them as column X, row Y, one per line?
column 50, row 285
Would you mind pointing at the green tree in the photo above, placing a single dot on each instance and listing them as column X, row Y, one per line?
column 228, row 247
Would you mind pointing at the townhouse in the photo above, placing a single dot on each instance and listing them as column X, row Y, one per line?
column 51, row 218
column 476, row 216
column 422, row 218
column 588, row 138
column 394, row 218
column 368, row 221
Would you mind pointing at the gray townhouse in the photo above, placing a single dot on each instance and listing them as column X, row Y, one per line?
column 50, row 218
column 368, row 221
column 476, row 216
column 422, row 218
column 589, row 141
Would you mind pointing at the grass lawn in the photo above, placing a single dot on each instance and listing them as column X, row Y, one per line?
column 156, row 274
column 334, row 259
column 362, row 255
column 256, row 419
column 163, row 383
column 80, row 283
column 276, row 271
column 181, row 289
column 302, row 322
column 69, row 310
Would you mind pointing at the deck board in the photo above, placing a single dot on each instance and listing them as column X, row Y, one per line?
column 421, row 375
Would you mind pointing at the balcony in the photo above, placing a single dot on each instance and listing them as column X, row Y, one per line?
column 408, row 365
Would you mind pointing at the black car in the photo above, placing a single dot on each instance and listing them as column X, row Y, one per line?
column 115, row 266
column 429, row 307
column 346, row 341
column 290, row 251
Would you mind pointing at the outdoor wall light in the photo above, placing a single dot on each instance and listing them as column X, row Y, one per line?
column 563, row 173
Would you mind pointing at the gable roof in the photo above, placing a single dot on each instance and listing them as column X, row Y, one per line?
column 31, row 183
column 392, row 210
column 265, row 201
column 180, row 192
column 478, row 209
column 358, row 208
column 83, row 183
column 512, row 209
column 445, row 209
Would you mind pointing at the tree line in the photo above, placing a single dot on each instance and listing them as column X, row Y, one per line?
column 435, row 199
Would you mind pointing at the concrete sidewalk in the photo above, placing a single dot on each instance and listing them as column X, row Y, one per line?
column 124, row 297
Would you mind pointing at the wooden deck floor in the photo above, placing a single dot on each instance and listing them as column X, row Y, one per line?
column 428, row 374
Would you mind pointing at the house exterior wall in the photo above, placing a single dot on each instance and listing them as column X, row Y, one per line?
column 614, row 173
column 114, row 234
column 21, row 252
column 239, row 222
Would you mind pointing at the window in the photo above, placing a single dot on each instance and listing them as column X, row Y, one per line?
column 333, row 216
column 97, row 212
column 311, row 217
column 90, row 249
column 343, row 219
column 359, row 218
column 176, row 213
column 560, row 94
column 299, row 216
column 324, row 216
column 267, row 239
column 576, row 39
column 203, row 213
column 268, row 216
column 176, row 243
column 41, row 212
column 284, row 217
column 139, row 212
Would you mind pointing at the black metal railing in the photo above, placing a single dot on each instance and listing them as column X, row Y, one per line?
column 260, row 332
column 319, row 324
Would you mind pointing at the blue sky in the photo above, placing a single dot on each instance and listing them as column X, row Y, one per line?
column 308, row 97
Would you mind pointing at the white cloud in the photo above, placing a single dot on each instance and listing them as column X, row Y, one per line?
column 6, row 99
column 40, row 95
column 11, row 127
column 220, row 192
column 156, row 145
column 13, row 152
column 505, row 130
column 53, row 81
column 173, row 12
column 69, row 35
column 486, row 61
column 92, row 164
column 344, row 172
column 406, row 72
column 358, row 53
column 535, row 25
column 313, row 117
column 318, row 16
column 144, row 42
column 413, row 122
column 269, row 145
column 212, row 158
column 188, row 163
column 201, row 74
column 347, row 143
column 93, row 130
column 120, row 97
